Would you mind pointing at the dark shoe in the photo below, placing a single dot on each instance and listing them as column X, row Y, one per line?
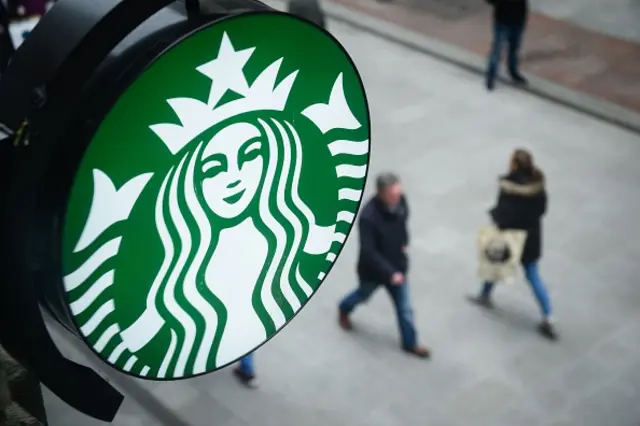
column 344, row 321
column 548, row 330
column 481, row 301
column 419, row 351
column 490, row 85
column 519, row 80
column 246, row 379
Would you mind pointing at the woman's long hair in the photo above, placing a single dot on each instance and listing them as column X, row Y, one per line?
column 522, row 163
column 192, row 311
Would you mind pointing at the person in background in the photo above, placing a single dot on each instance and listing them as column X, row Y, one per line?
column 245, row 372
column 383, row 260
column 509, row 21
column 522, row 202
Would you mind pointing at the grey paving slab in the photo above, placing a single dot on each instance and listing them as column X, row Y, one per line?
column 449, row 140
column 597, row 107
column 618, row 18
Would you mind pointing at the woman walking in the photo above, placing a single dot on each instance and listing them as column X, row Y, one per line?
column 522, row 202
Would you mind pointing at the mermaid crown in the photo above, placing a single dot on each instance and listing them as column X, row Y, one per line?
column 196, row 116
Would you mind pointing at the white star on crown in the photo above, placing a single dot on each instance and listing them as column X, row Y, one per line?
column 226, row 73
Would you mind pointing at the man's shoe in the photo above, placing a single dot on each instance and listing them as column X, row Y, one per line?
column 344, row 321
column 490, row 85
column 246, row 379
column 519, row 80
column 481, row 301
column 419, row 351
column 548, row 330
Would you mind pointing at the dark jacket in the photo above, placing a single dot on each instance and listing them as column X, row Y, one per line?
column 383, row 239
column 510, row 12
column 521, row 204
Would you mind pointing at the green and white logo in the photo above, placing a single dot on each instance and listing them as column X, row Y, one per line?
column 215, row 196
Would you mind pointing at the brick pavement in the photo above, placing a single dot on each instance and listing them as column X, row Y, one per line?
column 580, row 59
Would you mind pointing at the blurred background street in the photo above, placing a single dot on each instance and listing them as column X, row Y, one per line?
column 589, row 48
column 449, row 139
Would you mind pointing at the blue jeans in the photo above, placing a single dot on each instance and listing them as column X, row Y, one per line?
column 400, row 296
column 246, row 365
column 512, row 34
column 538, row 287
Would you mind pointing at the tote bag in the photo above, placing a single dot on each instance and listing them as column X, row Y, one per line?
column 499, row 253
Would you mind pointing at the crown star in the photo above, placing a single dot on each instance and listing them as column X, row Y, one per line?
column 226, row 71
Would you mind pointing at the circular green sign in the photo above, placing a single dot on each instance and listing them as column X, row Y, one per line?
column 215, row 196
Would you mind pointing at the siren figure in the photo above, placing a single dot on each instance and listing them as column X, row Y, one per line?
column 233, row 226
column 236, row 178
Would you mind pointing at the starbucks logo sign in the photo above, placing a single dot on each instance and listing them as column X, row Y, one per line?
column 215, row 196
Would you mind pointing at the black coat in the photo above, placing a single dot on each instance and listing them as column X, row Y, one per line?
column 510, row 12
column 521, row 204
column 383, row 241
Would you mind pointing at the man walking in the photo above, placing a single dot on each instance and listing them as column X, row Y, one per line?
column 509, row 21
column 383, row 259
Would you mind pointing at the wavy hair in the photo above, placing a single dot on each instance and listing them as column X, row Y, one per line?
column 193, row 312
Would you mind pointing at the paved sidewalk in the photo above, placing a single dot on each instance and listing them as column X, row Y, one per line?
column 617, row 18
column 570, row 56
column 449, row 139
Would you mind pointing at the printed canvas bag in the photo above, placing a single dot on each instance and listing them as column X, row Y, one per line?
column 499, row 253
